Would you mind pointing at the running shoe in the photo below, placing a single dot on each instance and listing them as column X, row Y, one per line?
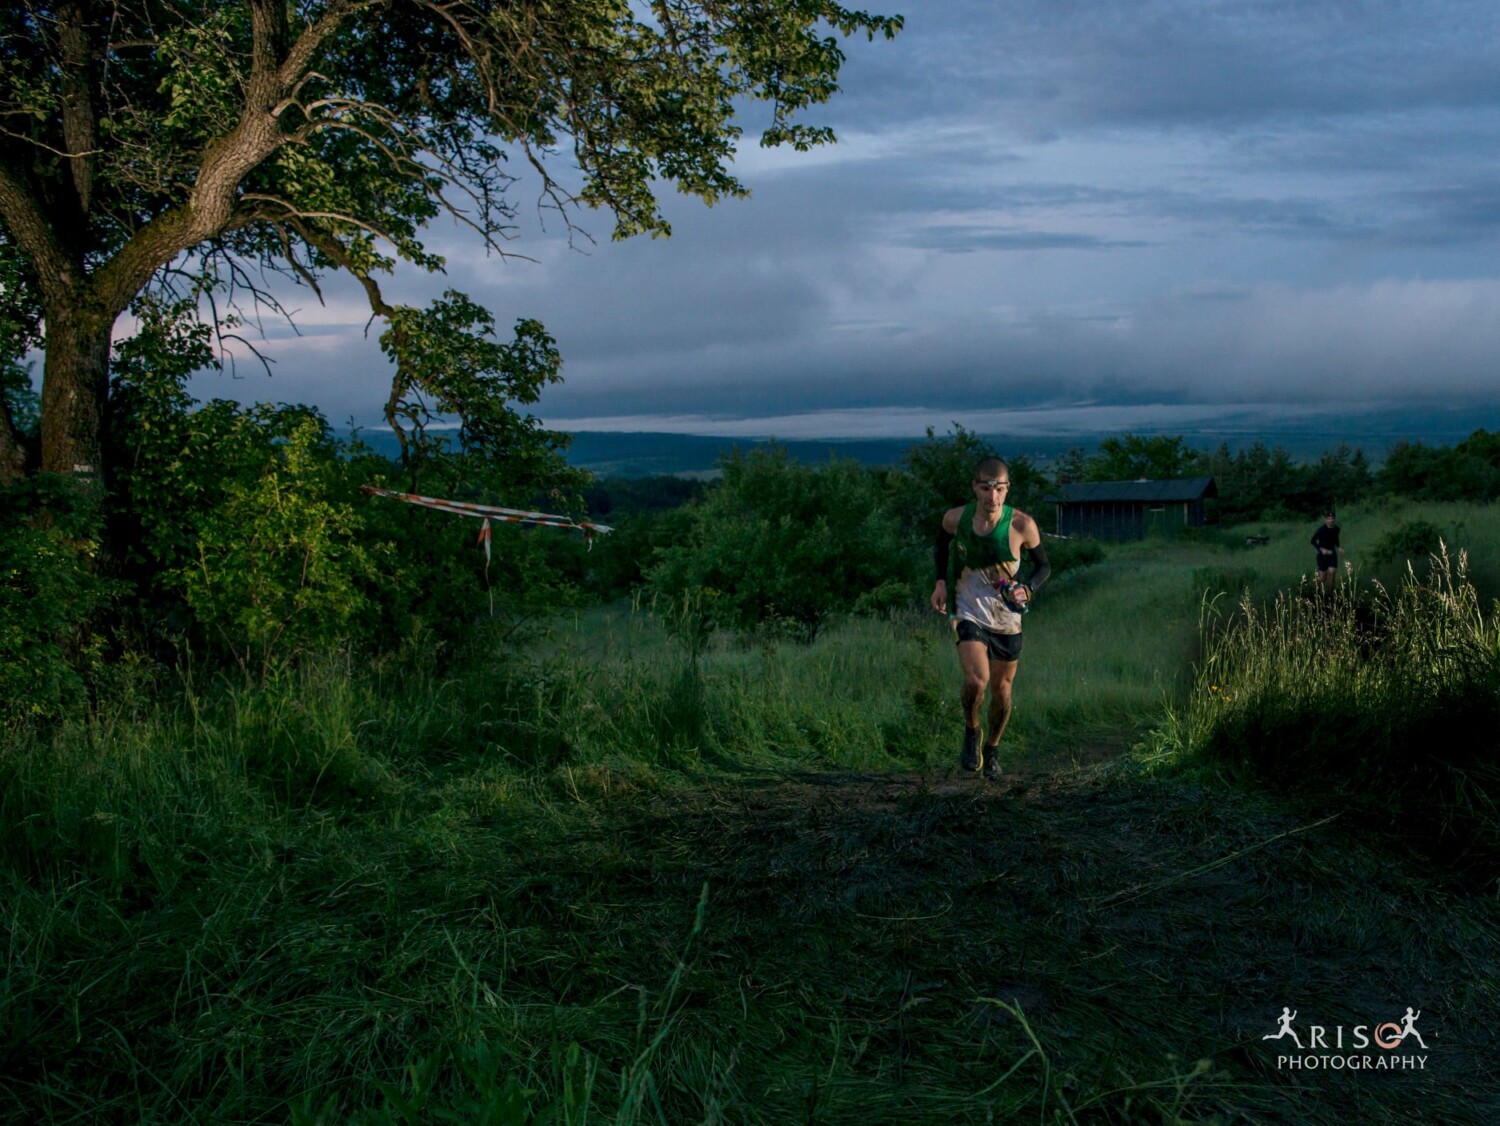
column 992, row 761
column 970, row 759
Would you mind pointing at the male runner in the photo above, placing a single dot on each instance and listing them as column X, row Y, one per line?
column 977, row 557
column 1326, row 541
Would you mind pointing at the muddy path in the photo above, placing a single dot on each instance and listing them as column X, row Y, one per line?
column 1140, row 925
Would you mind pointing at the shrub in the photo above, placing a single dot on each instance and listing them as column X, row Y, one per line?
column 937, row 474
column 787, row 546
column 1070, row 554
column 49, row 592
column 1414, row 539
column 279, row 562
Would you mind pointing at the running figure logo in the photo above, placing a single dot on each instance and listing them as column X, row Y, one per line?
column 1287, row 1016
column 1390, row 1034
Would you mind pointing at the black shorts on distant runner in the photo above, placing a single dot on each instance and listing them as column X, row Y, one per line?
column 1000, row 646
column 1328, row 561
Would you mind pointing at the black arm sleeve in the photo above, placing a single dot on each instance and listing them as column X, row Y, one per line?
column 940, row 553
column 1041, row 570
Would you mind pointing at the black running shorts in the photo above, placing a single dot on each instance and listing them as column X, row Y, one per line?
column 1000, row 646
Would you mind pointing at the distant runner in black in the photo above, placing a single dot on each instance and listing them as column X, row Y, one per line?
column 1326, row 541
column 977, row 557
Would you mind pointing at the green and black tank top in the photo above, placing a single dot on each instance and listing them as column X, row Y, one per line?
column 976, row 552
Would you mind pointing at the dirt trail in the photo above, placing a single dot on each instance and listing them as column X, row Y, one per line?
column 1131, row 918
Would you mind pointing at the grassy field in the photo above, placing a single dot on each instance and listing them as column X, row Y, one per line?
column 616, row 878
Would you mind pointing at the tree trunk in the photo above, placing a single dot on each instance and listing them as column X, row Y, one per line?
column 12, row 453
column 75, row 383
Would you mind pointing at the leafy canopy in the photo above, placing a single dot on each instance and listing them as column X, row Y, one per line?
column 202, row 143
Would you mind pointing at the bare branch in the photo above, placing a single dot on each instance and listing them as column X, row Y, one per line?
column 334, row 251
column 64, row 153
column 292, row 211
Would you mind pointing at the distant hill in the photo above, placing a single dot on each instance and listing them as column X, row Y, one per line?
column 647, row 454
column 613, row 454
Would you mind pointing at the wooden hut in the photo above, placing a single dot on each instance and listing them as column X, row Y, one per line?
column 1130, row 510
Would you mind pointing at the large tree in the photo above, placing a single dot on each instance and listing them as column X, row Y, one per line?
column 203, row 142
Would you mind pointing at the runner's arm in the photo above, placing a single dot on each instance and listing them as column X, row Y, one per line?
column 1041, row 569
column 940, row 546
column 1031, row 540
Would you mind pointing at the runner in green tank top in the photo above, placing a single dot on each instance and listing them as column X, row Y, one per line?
column 978, row 559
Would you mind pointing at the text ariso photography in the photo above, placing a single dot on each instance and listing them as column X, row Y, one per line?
column 1361, row 1047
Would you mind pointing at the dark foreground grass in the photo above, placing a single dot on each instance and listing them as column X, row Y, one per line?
column 686, row 891
column 822, row 948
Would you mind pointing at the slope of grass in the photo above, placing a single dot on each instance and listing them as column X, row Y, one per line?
column 385, row 893
column 1385, row 702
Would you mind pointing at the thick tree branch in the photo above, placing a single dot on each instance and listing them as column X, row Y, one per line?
column 334, row 251
column 299, row 59
column 276, row 69
column 56, row 270
column 78, row 96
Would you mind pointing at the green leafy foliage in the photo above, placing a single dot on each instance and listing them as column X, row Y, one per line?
column 216, row 139
column 1340, row 476
column 622, row 560
column 450, row 365
column 1071, row 554
column 933, row 476
column 783, row 546
column 1155, row 457
column 20, row 331
column 218, row 502
column 1253, row 483
column 280, row 562
column 1469, row 470
column 17, row 398
column 1265, row 483
column 1414, row 539
column 49, row 597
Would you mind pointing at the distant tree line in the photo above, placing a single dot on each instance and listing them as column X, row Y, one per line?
column 239, row 534
column 778, row 544
column 1254, row 483
column 1265, row 483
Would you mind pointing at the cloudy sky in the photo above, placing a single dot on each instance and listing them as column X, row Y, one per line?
column 1040, row 214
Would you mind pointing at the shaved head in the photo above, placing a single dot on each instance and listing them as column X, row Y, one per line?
column 990, row 468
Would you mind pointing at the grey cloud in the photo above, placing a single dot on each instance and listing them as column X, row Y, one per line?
column 1054, row 64
column 1160, row 165
column 1458, row 212
column 1263, row 345
column 956, row 239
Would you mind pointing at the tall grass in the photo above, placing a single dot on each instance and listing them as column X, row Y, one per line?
column 1385, row 702
column 383, row 888
column 396, row 891
column 392, row 895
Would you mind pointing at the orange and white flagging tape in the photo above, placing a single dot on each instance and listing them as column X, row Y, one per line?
column 488, row 512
